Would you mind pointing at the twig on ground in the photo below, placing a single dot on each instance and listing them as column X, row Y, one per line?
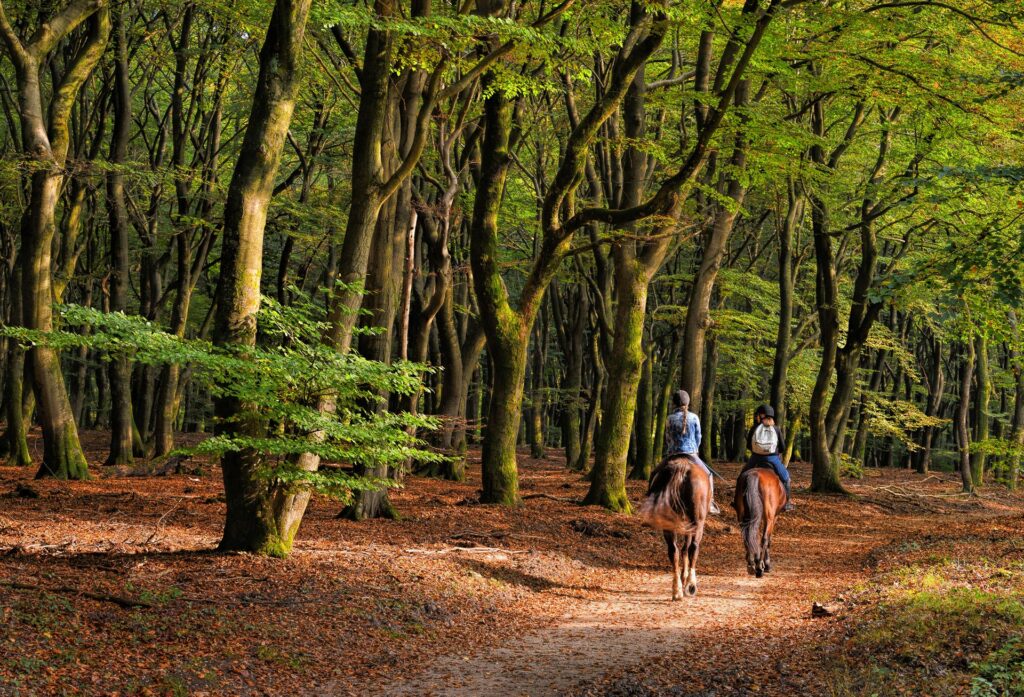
column 160, row 522
column 116, row 599
column 908, row 494
column 496, row 534
column 468, row 550
column 29, row 549
column 563, row 499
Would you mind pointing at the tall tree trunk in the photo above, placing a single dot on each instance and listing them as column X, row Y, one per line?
column 507, row 333
column 382, row 285
column 671, row 368
column 707, row 404
column 936, row 389
column 963, row 417
column 535, row 427
column 1017, row 421
column 593, row 417
column 698, row 310
column 861, row 438
column 981, row 409
column 45, row 140
column 261, row 517
column 644, row 421
column 783, row 339
column 18, row 386
column 825, row 468
column 573, row 346
column 119, row 369
column 625, row 363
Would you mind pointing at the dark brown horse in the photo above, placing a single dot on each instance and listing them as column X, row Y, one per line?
column 677, row 502
column 760, row 497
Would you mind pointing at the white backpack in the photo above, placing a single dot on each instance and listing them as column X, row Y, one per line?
column 765, row 440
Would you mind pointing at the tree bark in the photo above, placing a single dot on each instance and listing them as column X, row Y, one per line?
column 119, row 369
column 644, row 421
column 783, row 339
column 608, row 479
column 981, row 408
column 936, row 388
column 963, row 417
column 507, row 335
column 18, row 386
column 45, row 141
column 261, row 516
column 825, row 468
column 698, row 310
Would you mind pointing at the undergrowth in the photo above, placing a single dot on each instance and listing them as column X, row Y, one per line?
column 940, row 625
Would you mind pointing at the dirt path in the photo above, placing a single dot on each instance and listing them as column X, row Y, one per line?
column 635, row 622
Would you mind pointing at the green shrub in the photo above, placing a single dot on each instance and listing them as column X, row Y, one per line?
column 280, row 382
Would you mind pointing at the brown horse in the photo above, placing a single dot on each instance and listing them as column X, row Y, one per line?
column 759, row 498
column 677, row 502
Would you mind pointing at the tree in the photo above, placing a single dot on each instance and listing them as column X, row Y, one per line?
column 261, row 517
column 45, row 140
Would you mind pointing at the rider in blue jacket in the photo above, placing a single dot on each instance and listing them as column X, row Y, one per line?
column 682, row 436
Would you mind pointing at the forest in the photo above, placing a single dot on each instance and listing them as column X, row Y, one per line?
column 339, row 339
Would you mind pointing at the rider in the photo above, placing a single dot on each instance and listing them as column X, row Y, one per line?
column 682, row 437
column 766, row 450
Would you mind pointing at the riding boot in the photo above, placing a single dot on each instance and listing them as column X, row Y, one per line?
column 714, row 509
column 789, row 499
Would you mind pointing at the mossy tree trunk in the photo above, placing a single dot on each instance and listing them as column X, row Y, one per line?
column 45, row 140
column 625, row 364
column 644, row 421
column 824, row 467
column 508, row 329
column 260, row 515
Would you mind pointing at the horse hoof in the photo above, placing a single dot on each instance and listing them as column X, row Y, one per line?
column 691, row 590
column 759, row 573
column 750, row 570
column 676, row 597
column 767, row 568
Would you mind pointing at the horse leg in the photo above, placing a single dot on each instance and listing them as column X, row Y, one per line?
column 767, row 544
column 759, row 559
column 684, row 554
column 672, row 542
column 692, row 550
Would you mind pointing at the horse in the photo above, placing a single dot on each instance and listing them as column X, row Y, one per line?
column 759, row 498
column 678, row 498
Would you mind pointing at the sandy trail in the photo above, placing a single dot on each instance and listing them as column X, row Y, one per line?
column 636, row 622
column 630, row 626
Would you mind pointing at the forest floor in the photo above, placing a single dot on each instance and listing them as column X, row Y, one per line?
column 118, row 591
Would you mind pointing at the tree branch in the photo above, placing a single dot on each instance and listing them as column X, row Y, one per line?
column 51, row 32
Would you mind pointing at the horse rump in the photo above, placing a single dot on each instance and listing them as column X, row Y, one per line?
column 669, row 502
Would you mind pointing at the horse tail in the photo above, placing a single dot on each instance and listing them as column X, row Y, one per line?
column 755, row 513
column 669, row 502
